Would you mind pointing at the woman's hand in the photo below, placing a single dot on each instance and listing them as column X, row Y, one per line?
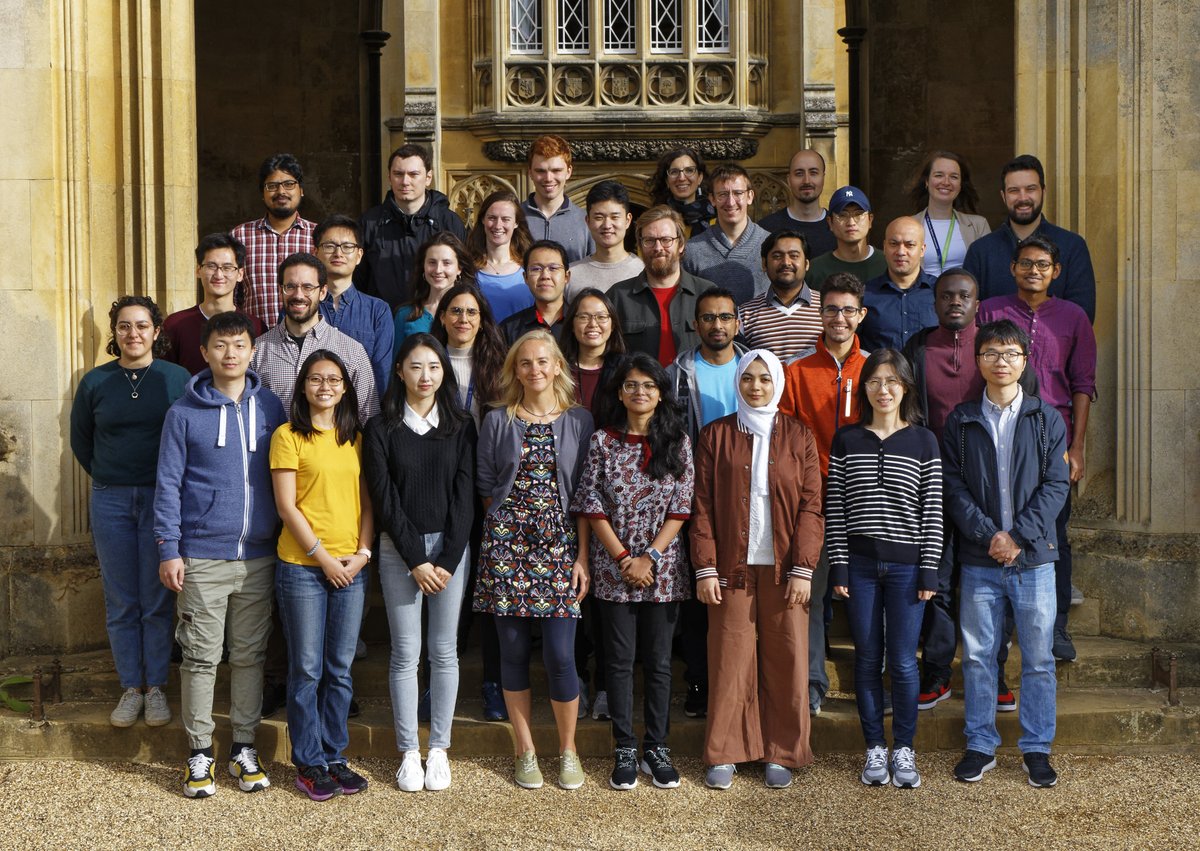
column 339, row 572
column 638, row 572
column 798, row 592
column 580, row 579
column 427, row 578
column 708, row 591
column 842, row 591
column 925, row 595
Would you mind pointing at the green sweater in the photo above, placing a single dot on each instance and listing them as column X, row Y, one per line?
column 825, row 265
column 114, row 436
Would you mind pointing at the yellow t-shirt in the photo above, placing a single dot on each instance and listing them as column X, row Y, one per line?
column 327, row 493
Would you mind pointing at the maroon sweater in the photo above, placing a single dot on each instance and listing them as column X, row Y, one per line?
column 951, row 376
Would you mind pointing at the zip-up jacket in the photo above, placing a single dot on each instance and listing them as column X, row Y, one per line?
column 816, row 390
column 390, row 242
column 214, row 497
column 1039, row 481
column 682, row 375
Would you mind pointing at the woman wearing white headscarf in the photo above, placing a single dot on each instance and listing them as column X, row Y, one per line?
column 756, row 536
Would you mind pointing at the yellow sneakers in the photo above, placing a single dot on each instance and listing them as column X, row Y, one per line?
column 200, row 781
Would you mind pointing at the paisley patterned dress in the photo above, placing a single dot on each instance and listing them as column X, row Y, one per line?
column 529, row 544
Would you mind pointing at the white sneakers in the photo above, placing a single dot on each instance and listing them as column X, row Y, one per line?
column 435, row 776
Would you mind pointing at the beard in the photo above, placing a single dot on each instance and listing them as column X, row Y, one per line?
column 662, row 267
column 1025, row 218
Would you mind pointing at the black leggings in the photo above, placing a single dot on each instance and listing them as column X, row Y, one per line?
column 558, row 653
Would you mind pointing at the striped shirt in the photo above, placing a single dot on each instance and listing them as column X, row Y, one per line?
column 784, row 330
column 277, row 360
column 265, row 250
column 884, row 501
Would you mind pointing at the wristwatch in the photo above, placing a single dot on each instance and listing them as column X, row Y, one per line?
column 654, row 556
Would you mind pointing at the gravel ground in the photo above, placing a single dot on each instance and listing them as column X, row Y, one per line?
column 1101, row 801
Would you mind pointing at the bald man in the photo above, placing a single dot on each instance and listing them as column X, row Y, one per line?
column 899, row 302
column 804, row 213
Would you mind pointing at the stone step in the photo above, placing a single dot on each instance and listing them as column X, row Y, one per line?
column 1089, row 720
column 1101, row 662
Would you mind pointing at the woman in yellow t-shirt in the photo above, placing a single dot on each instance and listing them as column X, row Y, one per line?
column 321, row 578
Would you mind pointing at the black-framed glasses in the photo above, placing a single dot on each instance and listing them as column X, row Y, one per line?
column 844, row 218
column 686, row 171
column 664, row 241
column 710, row 318
column 307, row 289
column 589, row 318
column 1025, row 264
column 1007, row 357
column 276, row 185
column 344, row 247
column 224, row 268
column 832, row 310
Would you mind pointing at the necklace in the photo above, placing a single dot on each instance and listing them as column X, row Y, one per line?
column 131, row 376
column 530, row 410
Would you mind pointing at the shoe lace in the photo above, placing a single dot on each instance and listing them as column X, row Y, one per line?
column 198, row 765
column 528, row 761
column 570, row 761
column 905, row 759
column 247, row 758
column 659, row 756
column 130, row 695
column 626, row 757
column 876, row 757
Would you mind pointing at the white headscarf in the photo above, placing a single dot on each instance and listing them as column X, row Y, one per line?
column 759, row 421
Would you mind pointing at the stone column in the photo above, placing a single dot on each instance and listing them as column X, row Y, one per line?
column 98, row 193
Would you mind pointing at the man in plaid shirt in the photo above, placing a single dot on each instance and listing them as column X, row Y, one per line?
column 277, row 235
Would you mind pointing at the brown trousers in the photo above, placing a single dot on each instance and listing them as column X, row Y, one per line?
column 757, row 676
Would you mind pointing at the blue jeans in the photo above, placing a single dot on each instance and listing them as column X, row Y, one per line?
column 139, row 609
column 883, row 598
column 320, row 624
column 1031, row 592
column 404, row 600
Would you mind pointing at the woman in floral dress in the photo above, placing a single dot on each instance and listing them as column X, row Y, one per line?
column 533, row 558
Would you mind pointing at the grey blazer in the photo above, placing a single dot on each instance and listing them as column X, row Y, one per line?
column 499, row 453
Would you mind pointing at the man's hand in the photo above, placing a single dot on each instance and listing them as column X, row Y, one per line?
column 170, row 573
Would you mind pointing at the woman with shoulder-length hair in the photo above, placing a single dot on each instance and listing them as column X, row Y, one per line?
column 441, row 262
column 497, row 244
column 636, row 492
column 884, row 538
column 419, row 457
column 756, row 536
column 321, row 579
column 116, row 425
column 533, row 558
column 943, row 188
column 465, row 325
column 593, row 345
column 680, row 181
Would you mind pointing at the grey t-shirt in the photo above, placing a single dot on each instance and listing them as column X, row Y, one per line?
column 592, row 273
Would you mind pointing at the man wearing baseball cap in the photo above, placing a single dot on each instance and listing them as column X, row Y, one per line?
column 850, row 219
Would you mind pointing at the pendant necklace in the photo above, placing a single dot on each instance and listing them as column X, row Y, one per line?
column 132, row 377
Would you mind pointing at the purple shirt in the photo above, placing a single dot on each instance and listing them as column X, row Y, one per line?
column 1062, row 347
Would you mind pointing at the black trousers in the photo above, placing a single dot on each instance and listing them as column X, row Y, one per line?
column 628, row 628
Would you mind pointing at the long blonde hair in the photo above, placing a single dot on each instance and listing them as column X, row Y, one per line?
column 511, row 390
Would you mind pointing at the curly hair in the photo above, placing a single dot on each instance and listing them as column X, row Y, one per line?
column 162, row 344
column 660, row 192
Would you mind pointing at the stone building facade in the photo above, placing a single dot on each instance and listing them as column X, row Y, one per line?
column 135, row 126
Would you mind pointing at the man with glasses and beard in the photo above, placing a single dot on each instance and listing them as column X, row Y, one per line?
column 279, row 234
column 657, row 309
column 989, row 258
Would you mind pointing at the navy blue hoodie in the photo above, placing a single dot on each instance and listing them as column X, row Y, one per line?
column 214, row 497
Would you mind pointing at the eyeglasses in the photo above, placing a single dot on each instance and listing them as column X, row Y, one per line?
column 644, row 386
column 589, row 318
column 651, row 241
column 317, row 380
column 224, row 268
column 889, row 384
column 686, row 171
column 844, row 218
column 459, row 312
column 333, row 247
column 552, row 268
column 1025, row 264
column 276, row 185
column 832, row 310
column 292, row 288
column 710, row 318
column 124, row 328
column 1007, row 357
column 725, row 194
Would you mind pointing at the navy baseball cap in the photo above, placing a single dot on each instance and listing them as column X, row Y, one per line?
column 846, row 196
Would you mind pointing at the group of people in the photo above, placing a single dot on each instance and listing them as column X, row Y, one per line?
column 531, row 428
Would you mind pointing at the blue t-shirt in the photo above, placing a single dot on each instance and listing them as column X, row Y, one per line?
column 718, row 389
column 405, row 327
column 506, row 294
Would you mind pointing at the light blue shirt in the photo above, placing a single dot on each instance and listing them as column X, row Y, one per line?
column 718, row 389
column 1002, row 426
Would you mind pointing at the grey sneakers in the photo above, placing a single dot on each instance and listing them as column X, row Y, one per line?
column 720, row 776
column 157, row 711
column 776, row 776
column 875, row 769
column 904, row 769
column 129, row 707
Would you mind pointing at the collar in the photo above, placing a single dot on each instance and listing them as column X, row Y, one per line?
column 805, row 295
column 320, row 331
column 348, row 295
column 923, row 281
column 990, row 407
column 418, row 423
column 301, row 223
column 531, row 204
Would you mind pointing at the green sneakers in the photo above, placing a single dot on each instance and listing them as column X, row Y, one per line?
column 570, row 772
column 528, row 775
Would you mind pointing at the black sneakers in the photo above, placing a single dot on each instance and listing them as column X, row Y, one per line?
column 657, row 763
column 350, row 780
column 971, row 767
column 1041, row 775
column 695, row 705
column 625, row 769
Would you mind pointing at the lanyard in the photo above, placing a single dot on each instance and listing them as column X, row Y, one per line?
column 470, row 395
column 937, row 246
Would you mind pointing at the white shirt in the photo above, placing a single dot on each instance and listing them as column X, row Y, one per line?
column 418, row 423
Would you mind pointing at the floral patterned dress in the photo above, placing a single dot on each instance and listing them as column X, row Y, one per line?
column 529, row 544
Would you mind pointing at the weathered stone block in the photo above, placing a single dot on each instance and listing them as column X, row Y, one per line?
column 57, row 601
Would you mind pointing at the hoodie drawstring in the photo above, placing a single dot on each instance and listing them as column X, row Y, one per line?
column 221, row 430
column 253, row 429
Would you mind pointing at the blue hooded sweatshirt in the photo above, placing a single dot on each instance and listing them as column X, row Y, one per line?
column 214, row 497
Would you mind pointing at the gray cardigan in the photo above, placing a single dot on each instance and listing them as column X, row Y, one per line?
column 499, row 453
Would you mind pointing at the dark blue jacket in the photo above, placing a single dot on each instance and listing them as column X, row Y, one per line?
column 1040, row 481
column 989, row 259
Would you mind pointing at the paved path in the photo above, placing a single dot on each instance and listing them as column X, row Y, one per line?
column 1101, row 801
